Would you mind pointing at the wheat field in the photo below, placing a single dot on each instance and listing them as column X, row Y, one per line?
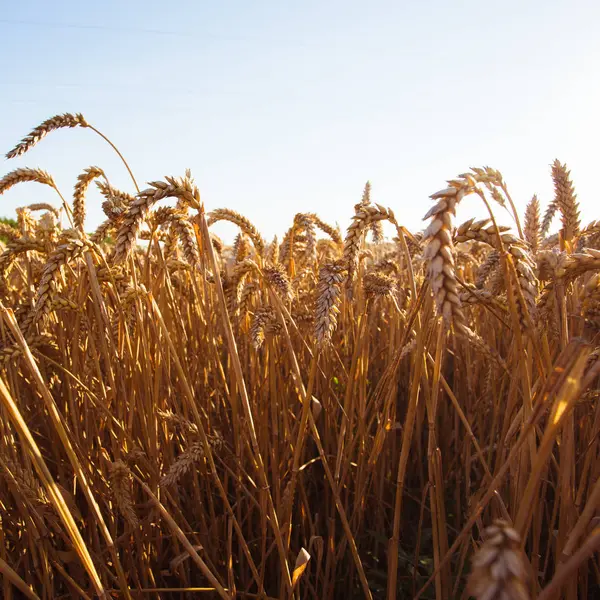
column 327, row 415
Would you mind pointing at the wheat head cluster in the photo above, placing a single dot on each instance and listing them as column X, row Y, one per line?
column 372, row 413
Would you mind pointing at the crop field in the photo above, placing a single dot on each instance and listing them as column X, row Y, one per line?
column 331, row 414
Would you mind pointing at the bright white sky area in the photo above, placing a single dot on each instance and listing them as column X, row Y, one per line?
column 285, row 107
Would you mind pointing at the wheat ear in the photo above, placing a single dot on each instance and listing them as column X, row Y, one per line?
column 83, row 182
column 363, row 218
column 25, row 174
column 121, row 483
column 566, row 200
column 331, row 277
column 532, row 227
column 499, row 570
column 225, row 214
column 137, row 211
column 439, row 252
column 42, row 130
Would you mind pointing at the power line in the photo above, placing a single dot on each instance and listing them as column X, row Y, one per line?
column 97, row 27
column 143, row 31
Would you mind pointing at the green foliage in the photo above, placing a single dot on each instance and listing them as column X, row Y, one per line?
column 7, row 221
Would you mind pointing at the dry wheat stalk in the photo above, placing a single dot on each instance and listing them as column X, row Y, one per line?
column 499, row 570
column 42, row 130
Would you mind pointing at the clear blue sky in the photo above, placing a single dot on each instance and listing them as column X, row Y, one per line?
column 281, row 107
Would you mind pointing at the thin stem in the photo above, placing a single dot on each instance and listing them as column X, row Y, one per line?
column 120, row 156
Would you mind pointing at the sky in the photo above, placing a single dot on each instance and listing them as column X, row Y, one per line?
column 286, row 107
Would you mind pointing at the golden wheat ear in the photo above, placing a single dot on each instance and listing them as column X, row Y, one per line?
column 43, row 129
column 566, row 201
column 533, row 227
